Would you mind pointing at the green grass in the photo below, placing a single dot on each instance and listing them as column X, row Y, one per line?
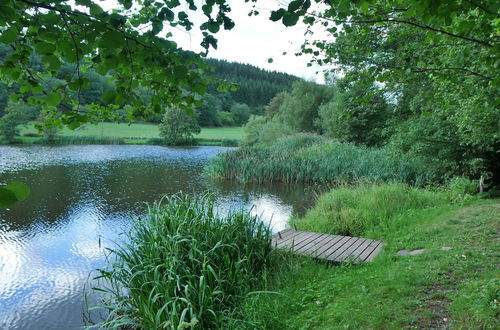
column 136, row 133
column 352, row 211
column 311, row 158
column 219, row 133
column 185, row 266
column 458, row 288
column 123, row 130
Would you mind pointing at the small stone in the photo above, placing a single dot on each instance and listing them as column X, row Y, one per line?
column 446, row 248
column 403, row 253
column 417, row 252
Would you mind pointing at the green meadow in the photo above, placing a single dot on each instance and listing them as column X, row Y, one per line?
column 135, row 133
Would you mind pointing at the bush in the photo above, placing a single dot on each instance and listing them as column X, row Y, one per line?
column 241, row 113
column 178, row 128
column 155, row 141
column 299, row 108
column 354, row 210
column 462, row 189
column 229, row 143
column 226, row 118
column 185, row 266
column 15, row 114
column 259, row 131
column 462, row 186
column 31, row 134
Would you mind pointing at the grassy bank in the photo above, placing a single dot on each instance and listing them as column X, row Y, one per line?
column 185, row 266
column 452, row 287
column 311, row 158
column 122, row 133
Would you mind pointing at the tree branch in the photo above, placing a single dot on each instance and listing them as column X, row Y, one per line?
column 456, row 69
column 482, row 7
column 77, row 57
column 402, row 21
column 90, row 17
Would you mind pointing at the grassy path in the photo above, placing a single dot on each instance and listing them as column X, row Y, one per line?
column 457, row 288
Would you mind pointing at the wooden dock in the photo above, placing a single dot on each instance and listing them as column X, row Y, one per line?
column 333, row 248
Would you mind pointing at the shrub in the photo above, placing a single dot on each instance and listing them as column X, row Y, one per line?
column 178, row 128
column 241, row 113
column 462, row 186
column 15, row 114
column 462, row 189
column 259, row 131
column 185, row 266
column 354, row 210
column 299, row 108
column 226, row 118
column 155, row 141
column 229, row 143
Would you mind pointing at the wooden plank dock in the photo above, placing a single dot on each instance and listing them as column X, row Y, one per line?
column 333, row 248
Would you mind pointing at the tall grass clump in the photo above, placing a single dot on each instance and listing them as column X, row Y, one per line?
column 309, row 158
column 354, row 210
column 185, row 266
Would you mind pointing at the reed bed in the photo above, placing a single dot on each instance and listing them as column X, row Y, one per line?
column 308, row 158
column 80, row 140
column 185, row 266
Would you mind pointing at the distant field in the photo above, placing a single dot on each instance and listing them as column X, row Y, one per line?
column 140, row 131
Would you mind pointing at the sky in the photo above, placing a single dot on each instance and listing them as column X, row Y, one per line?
column 255, row 39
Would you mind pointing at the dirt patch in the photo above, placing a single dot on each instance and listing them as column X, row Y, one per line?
column 475, row 211
column 435, row 311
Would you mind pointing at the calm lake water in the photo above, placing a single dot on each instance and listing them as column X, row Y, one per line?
column 82, row 199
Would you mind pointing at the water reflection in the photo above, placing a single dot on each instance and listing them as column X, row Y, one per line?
column 82, row 198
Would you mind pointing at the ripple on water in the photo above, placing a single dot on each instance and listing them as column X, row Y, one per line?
column 13, row 159
column 82, row 198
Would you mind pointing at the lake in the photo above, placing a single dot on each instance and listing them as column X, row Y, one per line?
column 82, row 199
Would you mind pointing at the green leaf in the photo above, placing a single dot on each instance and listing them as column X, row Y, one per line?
column 73, row 125
column 7, row 198
column 180, row 72
column 52, row 62
column 213, row 26
column 109, row 97
column 290, row 19
column 13, row 192
column 112, row 39
column 20, row 190
column 9, row 36
column 294, row 5
column 53, row 99
column 277, row 15
column 45, row 48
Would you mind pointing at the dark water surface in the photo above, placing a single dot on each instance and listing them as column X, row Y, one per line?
column 82, row 198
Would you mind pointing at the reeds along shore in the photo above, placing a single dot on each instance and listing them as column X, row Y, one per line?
column 185, row 266
column 308, row 158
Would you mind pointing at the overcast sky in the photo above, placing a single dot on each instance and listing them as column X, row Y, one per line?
column 255, row 39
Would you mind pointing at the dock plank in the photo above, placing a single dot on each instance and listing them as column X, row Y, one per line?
column 334, row 248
